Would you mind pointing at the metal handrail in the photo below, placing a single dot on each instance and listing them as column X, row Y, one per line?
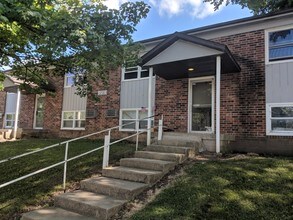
column 71, row 140
column 66, row 160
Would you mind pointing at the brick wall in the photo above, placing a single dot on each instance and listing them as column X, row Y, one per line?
column 242, row 94
column 26, row 111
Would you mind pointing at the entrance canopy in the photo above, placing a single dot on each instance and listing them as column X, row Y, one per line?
column 184, row 56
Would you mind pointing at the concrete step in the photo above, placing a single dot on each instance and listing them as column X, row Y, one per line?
column 148, row 164
column 53, row 213
column 89, row 204
column 178, row 158
column 133, row 174
column 120, row 189
column 171, row 149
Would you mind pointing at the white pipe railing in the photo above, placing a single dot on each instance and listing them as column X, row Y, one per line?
column 106, row 146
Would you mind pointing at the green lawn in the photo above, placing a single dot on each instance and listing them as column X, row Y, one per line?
column 38, row 190
column 253, row 188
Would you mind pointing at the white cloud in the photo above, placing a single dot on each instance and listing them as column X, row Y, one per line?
column 195, row 8
column 114, row 4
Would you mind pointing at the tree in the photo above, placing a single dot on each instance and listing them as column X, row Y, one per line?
column 78, row 36
column 258, row 6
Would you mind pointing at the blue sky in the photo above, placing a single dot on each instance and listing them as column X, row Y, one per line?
column 168, row 16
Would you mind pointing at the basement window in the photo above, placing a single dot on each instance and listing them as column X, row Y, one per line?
column 73, row 120
column 280, row 119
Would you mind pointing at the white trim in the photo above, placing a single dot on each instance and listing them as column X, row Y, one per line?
column 17, row 113
column 267, row 31
column 35, row 111
column 201, row 79
column 150, row 90
column 218, row 104
column 269, row 132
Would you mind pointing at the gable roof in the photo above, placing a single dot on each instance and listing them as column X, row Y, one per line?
column 178, row 69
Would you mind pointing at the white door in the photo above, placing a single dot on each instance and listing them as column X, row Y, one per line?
column 201, row 105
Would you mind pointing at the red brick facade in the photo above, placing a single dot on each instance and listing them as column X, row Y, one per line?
column 242, row 94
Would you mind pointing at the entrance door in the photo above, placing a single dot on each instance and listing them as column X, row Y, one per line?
column 201, row 105
column 39, row 112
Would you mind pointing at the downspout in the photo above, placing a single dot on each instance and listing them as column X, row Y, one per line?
column 218, row 104
column 150, row 105
column 16, row 113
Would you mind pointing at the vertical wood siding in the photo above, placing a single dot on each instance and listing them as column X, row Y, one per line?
column 279, row 83
column 134, row 94
column 73, row 102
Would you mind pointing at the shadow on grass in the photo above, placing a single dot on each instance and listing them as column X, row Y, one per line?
column 255, row 188
column 37, row 190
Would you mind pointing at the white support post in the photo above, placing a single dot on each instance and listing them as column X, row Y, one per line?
column 160, row 132
column 150, row 105
column 65, row 167
column 106, row 151
column 218, row 104
column 137, row 133
column 16, row 113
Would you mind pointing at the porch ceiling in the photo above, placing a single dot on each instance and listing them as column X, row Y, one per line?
column 176, row 65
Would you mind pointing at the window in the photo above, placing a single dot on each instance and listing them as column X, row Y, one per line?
column 69, row 80
column 128, row 117
column 73, row 120
column 280, row 119
column 130, row 73
column 9, row 120
column 280, row 45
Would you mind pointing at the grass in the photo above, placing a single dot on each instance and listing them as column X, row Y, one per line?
column 38, row 190
column 254, row 188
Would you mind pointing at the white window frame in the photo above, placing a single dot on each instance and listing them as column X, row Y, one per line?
column 136, row 118
column 189, row 123
column 35, row 111
column 139, row 71
column 5, row 119
column 267, row 32
column 74, row 119
column 269, row 119
column 66, row 76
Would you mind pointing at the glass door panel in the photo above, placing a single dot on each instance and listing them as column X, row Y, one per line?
column 201, row 118
column 39, row 112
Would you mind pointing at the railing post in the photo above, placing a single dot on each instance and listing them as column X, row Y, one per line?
column 160, row 132
column 65, row 166
column 137, row 133
column 106, row 151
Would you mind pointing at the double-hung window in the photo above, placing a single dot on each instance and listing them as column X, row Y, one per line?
column 280, row 45
column 129, row 117
column 73, row 119
column 9, row 120
column 69, row 80
column 280, row 119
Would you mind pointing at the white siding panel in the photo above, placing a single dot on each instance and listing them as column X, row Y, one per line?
column 134, row 94
column 279, row 83
column 71, row 101
column 181, row 50
column 11, row 102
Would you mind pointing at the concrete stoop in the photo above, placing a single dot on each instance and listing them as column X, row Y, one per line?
column 101, row 197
